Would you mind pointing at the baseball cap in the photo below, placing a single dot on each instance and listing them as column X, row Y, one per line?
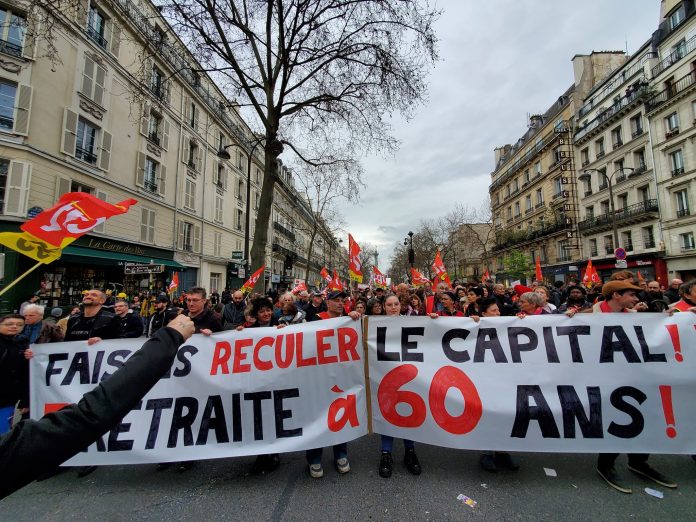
column 162, row 299
column 335, row 294
column 617, row 286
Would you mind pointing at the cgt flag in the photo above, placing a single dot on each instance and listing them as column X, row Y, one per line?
column 379, row 278
column 591, row 275
column 75, row 214
column 336, row 283
column 325, row 275
column 354, row 263
column 301, row 287
column 174, row 284
column 251, row 282
column 485, row 277
column 440, row 270
column 418, row 279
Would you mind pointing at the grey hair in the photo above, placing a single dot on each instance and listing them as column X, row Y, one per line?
column 534, row 298
column 34, row 308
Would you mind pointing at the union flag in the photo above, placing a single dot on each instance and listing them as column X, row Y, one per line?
column 354, row 263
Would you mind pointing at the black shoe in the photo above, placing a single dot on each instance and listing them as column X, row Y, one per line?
column 693, row 457
column 612, row 478
column 504, row 460
column 386, row 465
column 163, row 465
column 265, row 464
column 273, row 462
column 86, row 470
column 644, row 470
column 185, row 465
column 411, row 462
column 488, row 463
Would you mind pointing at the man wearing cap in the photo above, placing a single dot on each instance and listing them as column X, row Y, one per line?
column 162, row 315
column 315, row 306
column 620, row 297
column 334, row 308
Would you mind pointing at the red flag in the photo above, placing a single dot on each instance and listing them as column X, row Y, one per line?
column 379, row 278
column 485, row 277
column 335, row 283
column 354, row 264
column 174, row 284
column 639, row 275
column 325, row 275
column 539, row 275
column 440, row 270
column 300, row 288
column 251, row 282
column 418, row 279
column 591, row 275
column 75, row 214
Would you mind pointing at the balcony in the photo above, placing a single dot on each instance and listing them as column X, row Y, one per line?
column 683, row 212
column 637, row 132
column 670, row 92
column 85, row 155
column 602, row 186
column 649, row 242
column 676, row 55
column 528, row 211
column 608, row 250
column 509, row 238
column 286, row 232
column 631, row 99
column 686, row 248
column 150, row 185
column 621, row 177
column 588, row 192
column 563, row 258
column 672, row 133
column 636, row 213
column 277, row 247
column 640, row 169
column 154, row 138
column 10, row 48
column 539, row 205
column 600, row 154
column 678, row 172
column 96, row 37
column 585, row 163
column 618, row 143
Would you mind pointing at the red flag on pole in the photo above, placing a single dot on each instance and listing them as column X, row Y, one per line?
column 485, row 277
column 325, row 275
column 251, row 282
column 354, row 264
column 418, row 279
column 174, row 284
column 539, row 275
column 336, row 283
column 440, row 270
column 591, row 275
column 379, row 278
column 300, row 288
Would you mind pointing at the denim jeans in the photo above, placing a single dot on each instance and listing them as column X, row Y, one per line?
column 339, row 450
column 388, row 443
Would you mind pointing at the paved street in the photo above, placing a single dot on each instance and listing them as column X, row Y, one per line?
column 223, row 490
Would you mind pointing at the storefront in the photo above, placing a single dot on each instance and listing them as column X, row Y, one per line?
column 649, row 266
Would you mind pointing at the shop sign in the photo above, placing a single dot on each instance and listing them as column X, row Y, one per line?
column 237, row 255
column 621, row 263
column 275, row 278
column 640, row 262
column 137, row 268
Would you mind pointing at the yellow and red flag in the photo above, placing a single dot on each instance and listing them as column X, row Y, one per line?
column 440, row 270
column 75, row 214
column 251, row 282
column 325, row 275
column 336, row 283
column 379, row 278
column 174, row 284
column 538, row 274
column 418, row 279
column 354, row 263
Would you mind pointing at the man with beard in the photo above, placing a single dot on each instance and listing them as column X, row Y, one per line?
column 162, row 316
column 233, row 312
column 131, row 325
column 576, row 299
column 656, row 300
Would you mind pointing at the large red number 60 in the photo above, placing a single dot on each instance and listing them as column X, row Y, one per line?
column 388, row 396
column 451, row 377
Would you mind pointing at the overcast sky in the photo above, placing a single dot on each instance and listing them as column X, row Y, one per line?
column 500, row 61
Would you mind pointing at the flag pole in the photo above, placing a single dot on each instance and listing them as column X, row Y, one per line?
column 37, row 265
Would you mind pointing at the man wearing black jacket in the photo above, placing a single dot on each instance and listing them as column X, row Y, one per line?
column 33, row 447
column 131, row 325
column 204, row 319
column 162, row 315
column 233, row 312
column 94, row 323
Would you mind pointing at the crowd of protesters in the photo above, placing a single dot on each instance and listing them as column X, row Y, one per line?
column 101, row 315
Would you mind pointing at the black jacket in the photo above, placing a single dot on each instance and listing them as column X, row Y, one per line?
column 233, row 315
column 106, row 325
column 14, row 371
column 131, row 326
column 160, row 320
column 32, row 448
column 207, row 319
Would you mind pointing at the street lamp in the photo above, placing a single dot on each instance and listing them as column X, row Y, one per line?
column 408, row 241
column 223, row 154
column 585, row 176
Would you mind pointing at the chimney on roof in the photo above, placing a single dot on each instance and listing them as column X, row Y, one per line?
column 535, row 121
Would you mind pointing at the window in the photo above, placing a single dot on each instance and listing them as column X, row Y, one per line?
column 12, row 31
column 676, row 160
column 507, row 190
column 593, row 247
column 588, row 186
column 676, row 18
column 557, row 187
column 509, row 213
column 218, row 209
column 157, row 82
column 563, row 250
column 602, row 177
column 627, row 241
column 648, row 237
column 215, row 279
column 537, row 168
column 643, row 193
column 257, row 200
column 188, row 236
column 147, row 225
column 258, row 176
column 93, row 81
column 526, row 176
column 636, row 126
column 190, row 194
column 585, row 156
column 599, row 148
column 639, row 160
column 672, row 123
column 589, row 212
column 515, row 185
column 220, row 178
column 616, row 138
column 682, row 199
column 539, row 197
column 604, row 206
column 150, row 181
column 85, row 149
column 608, row 245
column 154, row 127
column 622, row 200
column 96, row 26
column 687, row 241
column 528, row 203
column 556, row 155
column 240, row 189
column 193, row 116
column 8, row 93
column 517, row 209
column 240, row 219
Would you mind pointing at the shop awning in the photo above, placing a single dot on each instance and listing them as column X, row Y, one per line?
column 103, row 257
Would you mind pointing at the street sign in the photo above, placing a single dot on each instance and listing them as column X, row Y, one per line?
column 237, row 255
column 241, row 272
column 136, row 268
column 620, row 253
column 621, row 263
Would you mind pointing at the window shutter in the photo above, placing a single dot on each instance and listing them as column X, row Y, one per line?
column 187, row 109
column 180, row 236
column 196, row 238
column 62, row 186
column 17, row 191
column 99, row 81
column 224, row 177
column 216, row 174
column 100, row 195
column 162, row 180
column 144, row 220
column 69, row 132
column 140, row 170
column 199, row 159
column 88, row 77
column 167, row 86
column 186, row 149
column 115, row 38
column 29, row 48
column 105, row 156
column 145, row 119
column 151, row 232
column 165, row 133
column 21, row 124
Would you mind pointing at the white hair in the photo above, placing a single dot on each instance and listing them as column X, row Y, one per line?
column 34, row 308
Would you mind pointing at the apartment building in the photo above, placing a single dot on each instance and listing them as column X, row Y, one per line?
column 671, row 109
column 617, row 188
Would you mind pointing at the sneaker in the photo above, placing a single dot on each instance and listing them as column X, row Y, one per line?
column 386, row 465
column 86, row 470
column 612, row 478
column 488, row 463
column 342, row 465
column 316, row 471
column 644, row 470
column 185, row 466
column 504, row 460
column 411, row 461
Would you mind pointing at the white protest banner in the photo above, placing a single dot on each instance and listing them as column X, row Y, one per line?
column 593, row 383
column 261, row 390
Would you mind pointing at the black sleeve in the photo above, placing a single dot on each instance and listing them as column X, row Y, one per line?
column 35, row 447
column 134, row 326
